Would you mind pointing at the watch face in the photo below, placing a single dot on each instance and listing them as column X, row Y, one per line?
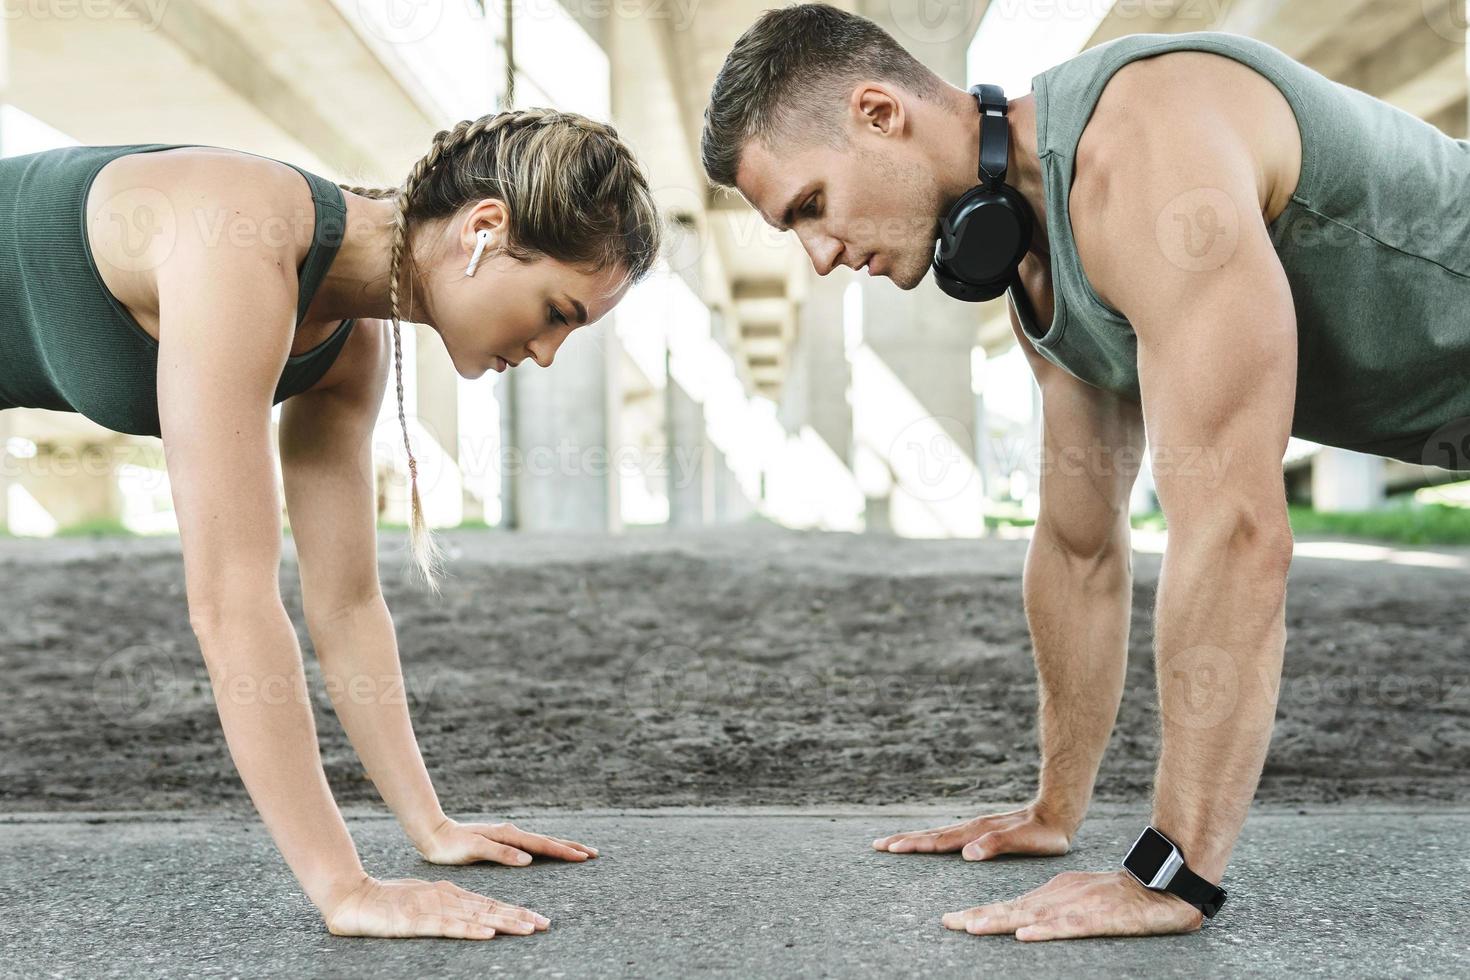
column 1148, row 855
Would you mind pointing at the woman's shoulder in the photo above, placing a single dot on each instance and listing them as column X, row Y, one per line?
column 194, row 197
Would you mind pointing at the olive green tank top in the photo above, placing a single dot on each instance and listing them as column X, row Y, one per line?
column 1375, row 244
column 66, row 343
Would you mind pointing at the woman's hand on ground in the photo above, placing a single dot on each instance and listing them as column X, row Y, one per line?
column 504, row 843
column 407, row 907
column 1030, row 830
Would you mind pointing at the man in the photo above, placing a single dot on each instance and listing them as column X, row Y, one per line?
column 1229, row 249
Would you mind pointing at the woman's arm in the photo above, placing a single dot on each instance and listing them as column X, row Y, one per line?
column 214, row 399
column 327, row 464
column 226, row 316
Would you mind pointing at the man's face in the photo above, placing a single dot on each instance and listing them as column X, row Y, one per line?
column 873, row 202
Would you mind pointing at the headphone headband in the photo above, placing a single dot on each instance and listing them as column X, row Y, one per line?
column 995, row 133
column 987, row 232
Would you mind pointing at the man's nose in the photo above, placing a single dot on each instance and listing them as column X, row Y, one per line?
column 824, row 253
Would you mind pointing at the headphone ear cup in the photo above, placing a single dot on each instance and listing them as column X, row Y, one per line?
column 982, row 241
column 969, row 292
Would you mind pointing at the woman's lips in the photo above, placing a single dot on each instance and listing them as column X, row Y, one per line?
column 499, row 363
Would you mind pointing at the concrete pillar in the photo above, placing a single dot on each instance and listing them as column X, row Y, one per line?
column 914, row 412
column 559, row 467
column 1343, row 480
column 817, row 381
column 690, row 479
column 7, row 465
column 75, row 482
column 913, row 406
column 438, row 412
column 731, row 505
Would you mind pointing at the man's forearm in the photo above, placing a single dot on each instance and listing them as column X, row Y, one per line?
column 1220, row 636
column 358, row 651
column 260, row 690
column 1078, row 610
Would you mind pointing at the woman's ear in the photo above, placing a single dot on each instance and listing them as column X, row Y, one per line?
column 488, row 215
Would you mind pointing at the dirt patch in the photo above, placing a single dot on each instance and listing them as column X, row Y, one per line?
column 717, row 668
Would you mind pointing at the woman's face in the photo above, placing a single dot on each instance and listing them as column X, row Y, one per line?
column 510, row 310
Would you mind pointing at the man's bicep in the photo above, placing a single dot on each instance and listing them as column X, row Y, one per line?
column 1216, row 329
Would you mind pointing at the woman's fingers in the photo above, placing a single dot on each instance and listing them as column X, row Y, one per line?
column 451, row 927
column 489, row 849
column 500, row 920
column 590, row 851
column 553, row 847
column 409, row 907
column 511, row 912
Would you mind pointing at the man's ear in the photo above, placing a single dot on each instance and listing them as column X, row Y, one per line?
column 878, row 109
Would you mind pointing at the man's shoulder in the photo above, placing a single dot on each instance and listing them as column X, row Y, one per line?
column 1156, row 114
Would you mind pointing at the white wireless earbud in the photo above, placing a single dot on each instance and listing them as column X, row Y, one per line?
column 481, row 237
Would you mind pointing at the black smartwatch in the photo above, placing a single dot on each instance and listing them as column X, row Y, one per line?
column 1156, row 862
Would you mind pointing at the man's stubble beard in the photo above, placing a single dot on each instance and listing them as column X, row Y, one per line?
column 918, row 193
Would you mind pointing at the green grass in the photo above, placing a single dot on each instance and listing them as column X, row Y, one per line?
column 1398, row 522
column 1427, row 524
column 95, row 529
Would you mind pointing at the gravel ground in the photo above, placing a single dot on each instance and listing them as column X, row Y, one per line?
column 717, row 668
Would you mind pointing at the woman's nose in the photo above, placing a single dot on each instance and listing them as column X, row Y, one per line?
column 543, row 349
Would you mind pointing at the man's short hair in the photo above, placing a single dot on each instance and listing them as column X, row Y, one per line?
column 780, row 81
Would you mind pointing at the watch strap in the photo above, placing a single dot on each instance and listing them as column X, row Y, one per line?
column 1197, row 891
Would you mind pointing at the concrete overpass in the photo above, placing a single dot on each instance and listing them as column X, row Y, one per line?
column 878, row 381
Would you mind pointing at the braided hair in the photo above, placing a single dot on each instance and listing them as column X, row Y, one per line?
column 574, row 193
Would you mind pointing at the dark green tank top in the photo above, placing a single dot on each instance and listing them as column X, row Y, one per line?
column 65, row 342
column 1375, row 244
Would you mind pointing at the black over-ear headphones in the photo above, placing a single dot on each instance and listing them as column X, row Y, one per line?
column 985, row 235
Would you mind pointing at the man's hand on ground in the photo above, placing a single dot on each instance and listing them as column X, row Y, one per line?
column 1030, row 830
column 1078, row 904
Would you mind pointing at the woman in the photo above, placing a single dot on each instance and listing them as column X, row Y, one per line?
column 182, row 290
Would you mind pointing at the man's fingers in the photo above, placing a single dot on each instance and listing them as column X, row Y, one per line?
column 987, row 846
column 992, row 919
column 939, row 841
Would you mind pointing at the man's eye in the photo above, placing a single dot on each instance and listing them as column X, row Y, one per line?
column 556, row 316
column 810, row 208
